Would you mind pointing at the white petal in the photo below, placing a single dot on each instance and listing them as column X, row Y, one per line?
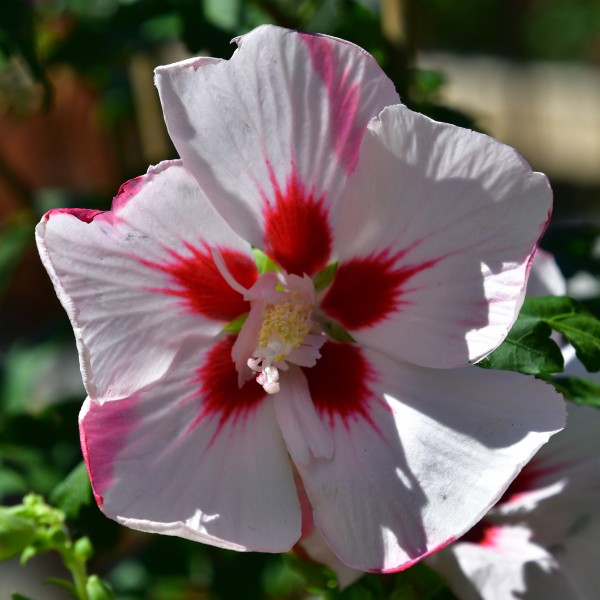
column 563, row 478
column 433, row 452
column 115, row 274
column 561, row 506
column 498, row 570
column 457, row 215
column 304, row 432
column 285, row 115
column 545, row 277
column 186, row 458
column 511, row 563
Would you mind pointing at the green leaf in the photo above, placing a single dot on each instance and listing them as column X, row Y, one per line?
column 16, row 533
column 263, row 262
column 573, row 321
column 337, row 332
column 323, row 278
column 583, row 332
column 17, row 596
column 578, row 390
column 527, row 349
column 549, row 307
column 73, row 492
column 236, row 325
column 97, row 589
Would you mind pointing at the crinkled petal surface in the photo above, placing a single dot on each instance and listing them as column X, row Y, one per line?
column 195, row 456
column 140, row 279
column 421, row 455
column 435, row 238
column 273, row 133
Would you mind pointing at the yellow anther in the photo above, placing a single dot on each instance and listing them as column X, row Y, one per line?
column 287, row 334
column 287, row 324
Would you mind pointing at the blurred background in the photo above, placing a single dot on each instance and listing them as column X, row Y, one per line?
column 79, row 115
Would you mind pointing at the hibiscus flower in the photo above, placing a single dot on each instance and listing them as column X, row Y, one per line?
column 220, row 393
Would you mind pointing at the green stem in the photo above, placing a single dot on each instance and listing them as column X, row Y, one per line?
column 78, row 572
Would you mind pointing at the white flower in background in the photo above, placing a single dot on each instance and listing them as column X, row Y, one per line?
column 542, row 540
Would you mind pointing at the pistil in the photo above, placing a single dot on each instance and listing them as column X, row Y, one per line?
column 287, row 332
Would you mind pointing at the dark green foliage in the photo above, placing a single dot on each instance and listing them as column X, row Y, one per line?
column 73, row 492
column 578, row 390
column 528, row 347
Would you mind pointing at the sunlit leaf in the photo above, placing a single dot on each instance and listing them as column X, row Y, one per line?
column 571, row 319
column 578, row 390
column 16, row 533
column 97, row 589
column 527, row 349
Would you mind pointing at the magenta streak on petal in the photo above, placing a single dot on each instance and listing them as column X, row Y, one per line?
column 85, row 215
column 413, row 562
column 367, row 290
column 219, row 394
column 86, row 457
column 339, row 384
column 491, row 538
column 297, row 232
column 484, row 533
column 103, row 434
column 202, row 288
column 343, row 96
column 531, row 478
column 126, row 192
